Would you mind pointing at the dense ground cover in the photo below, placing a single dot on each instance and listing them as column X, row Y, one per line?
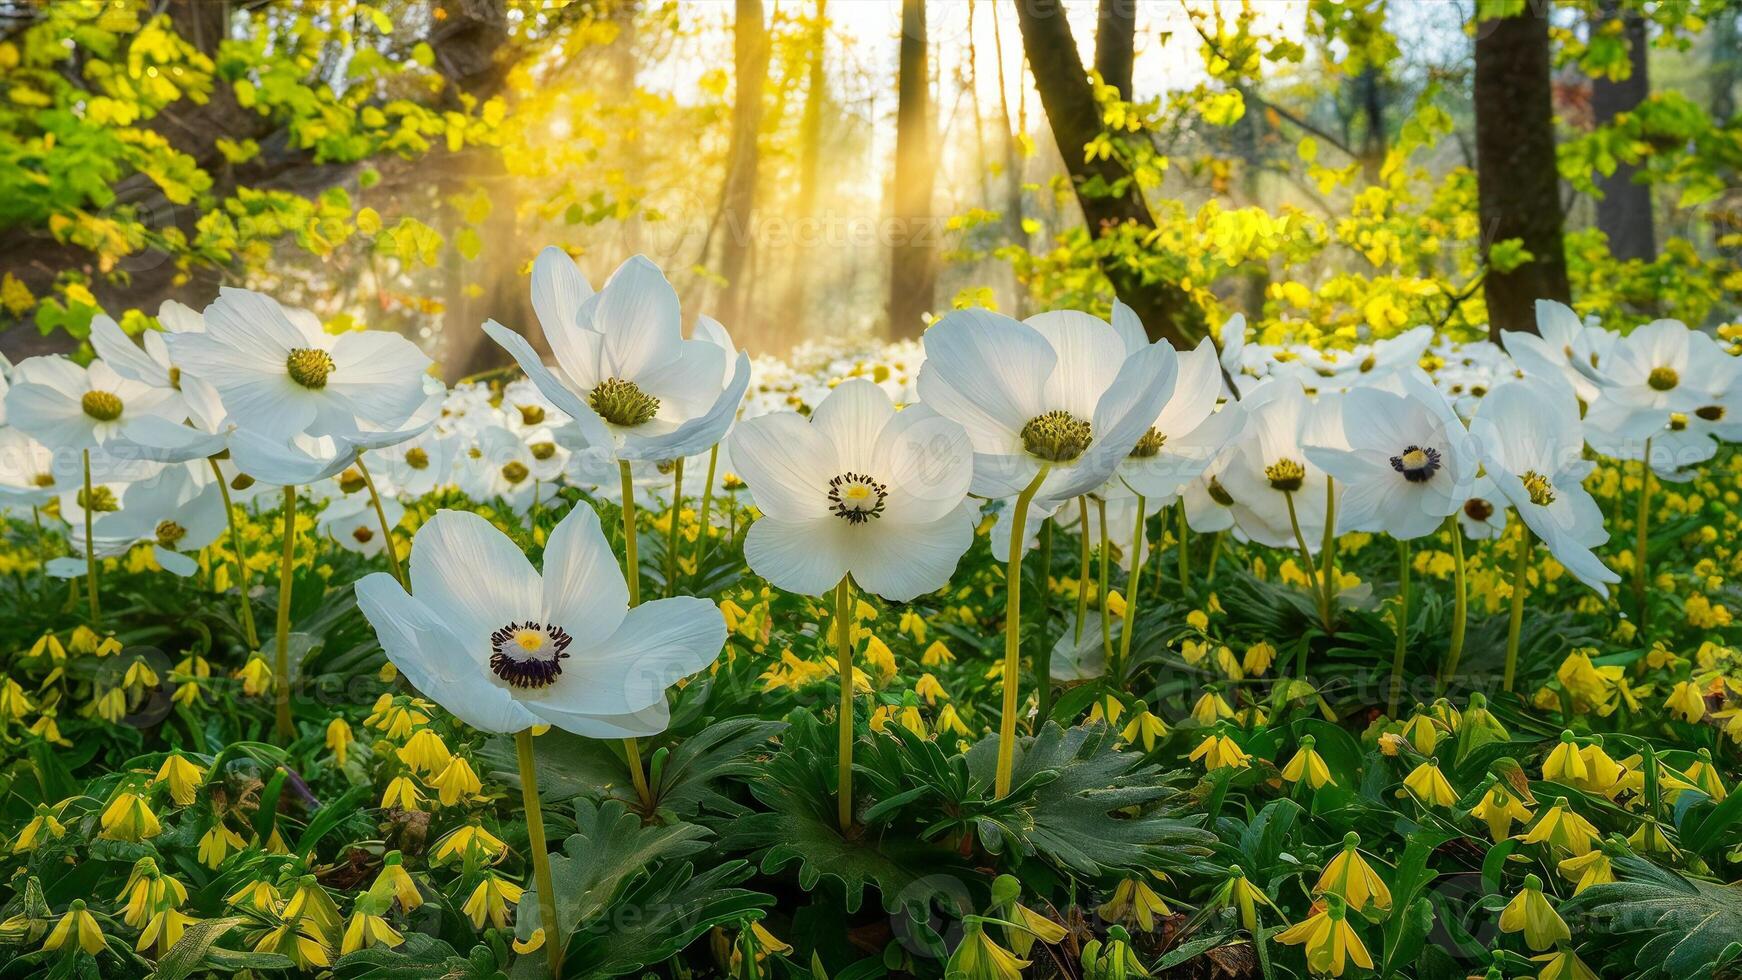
column 1299, row 719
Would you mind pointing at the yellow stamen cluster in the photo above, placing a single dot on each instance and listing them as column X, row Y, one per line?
column 1540, row 490
column 621, row 402
column 309, row 367
column 1057, row 436
column 1286, row 475
column 169, row 532
column 1149, row 445
column 104, row 406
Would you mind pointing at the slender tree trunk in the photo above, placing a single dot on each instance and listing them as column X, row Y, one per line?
column 1518, row 186
column 1115, row 44
column 810, row 137
column 1013, row 170
column 1255, row 275
column 913, row 268
column 1726, row 62
column 1624, row 210
column 738, row 203
column 1368, row 85
column 1166, row 309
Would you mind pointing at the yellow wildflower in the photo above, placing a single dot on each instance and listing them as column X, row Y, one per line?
column 1529, row 912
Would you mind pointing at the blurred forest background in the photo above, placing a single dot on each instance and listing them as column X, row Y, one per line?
column 823, row 169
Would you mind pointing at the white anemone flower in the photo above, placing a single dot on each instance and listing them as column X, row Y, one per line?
column 1209, row 505
column 1692, row 438
column 28, row 475
column 304, row 460
column 1190, row 432
column 1407, row 465
column 508, row 469
column 1271, row 467
column 354, row 526
column 857, row 488
column 1651, row 374
column 1377, row 362
column 280, row 374
column 1063, row 390
column 65, row 406
column 1563, row 347
column 180, row 511
column 1483, row 515
column 634, row 387
column 505, row 648
column 422, row 464
column 1532, row 448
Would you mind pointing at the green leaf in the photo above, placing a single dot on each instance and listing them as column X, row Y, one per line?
column 671, row 909
column 1075, row 789
column 1688, row 926
column 609, row 848
column 190, row 951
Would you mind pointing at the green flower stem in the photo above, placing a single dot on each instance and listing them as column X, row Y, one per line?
column 707, row 505
column 1185, row 555
column 1082, row 567
column 1013, row 629
column 631, row 561
column 1520, row 584
column 844, row 663
column 1101, row 589
column 1402, row 626
column 1043, row 652
column 241, row 562
column 632, row 575
column 1642, row 523
column 1306, row 557
column 1215, row 556
column 672, row 532
column 90, row 503
column 386, row 528
column 281, row 658
column 1460, row 603
column 1131, row 600
column 1328, row 552
column 537, row 845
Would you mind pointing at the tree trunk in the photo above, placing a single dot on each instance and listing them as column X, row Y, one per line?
column 1166, row 309
column 912, row 267
column 1115, row 44
column 1624, row 210
column 738, row 203
column 1367, row 85
column 785, row 329
column 1518, row 186
column 1013, row 170
column 1726, row 60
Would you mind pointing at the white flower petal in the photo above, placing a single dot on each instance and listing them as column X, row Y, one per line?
column 902, row 561
column 587, row 425
column 120, row 353
column 852, row 417
column 435, row 661
column 989, row 373
column 699, row 434
column 787, row 465
column 657, row 645
column 174, row 562
column 637, row 311
column 584, row 591
column 926, row 461
column 808, row 557
column 475, row 576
